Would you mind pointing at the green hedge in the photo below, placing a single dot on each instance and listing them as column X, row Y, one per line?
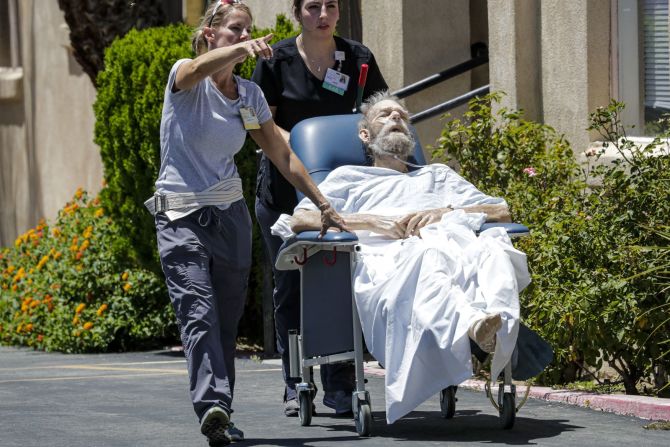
column 594, row 232
column 128, row 114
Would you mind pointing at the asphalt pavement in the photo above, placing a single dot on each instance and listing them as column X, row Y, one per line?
column 141, row 399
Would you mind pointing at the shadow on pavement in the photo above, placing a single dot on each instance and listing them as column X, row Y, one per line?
column 466, row 426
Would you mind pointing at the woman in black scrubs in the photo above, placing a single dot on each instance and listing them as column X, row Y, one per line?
column 313, row 74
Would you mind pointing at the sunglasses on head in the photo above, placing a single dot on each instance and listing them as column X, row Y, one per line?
column 218, row 5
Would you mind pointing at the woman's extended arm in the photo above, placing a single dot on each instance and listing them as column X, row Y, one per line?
column 271, row 141
column 191, row 72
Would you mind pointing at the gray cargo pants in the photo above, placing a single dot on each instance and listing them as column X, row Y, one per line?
column 206, row 258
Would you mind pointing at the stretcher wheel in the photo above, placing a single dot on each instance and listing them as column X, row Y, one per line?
column 363, row 418
column 305, row 399
column 507, row 411
column 448, row 402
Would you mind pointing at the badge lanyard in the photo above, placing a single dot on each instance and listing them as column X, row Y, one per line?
column 336, row 81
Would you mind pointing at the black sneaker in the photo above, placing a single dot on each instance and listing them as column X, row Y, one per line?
column 340, row 401
column 214, row 425
column 233, row 433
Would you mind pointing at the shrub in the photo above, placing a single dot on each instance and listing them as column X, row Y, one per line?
column 128, row 114
column 590, row 296
column 71, row 287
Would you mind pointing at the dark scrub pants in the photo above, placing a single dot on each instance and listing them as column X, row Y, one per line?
column 206, row 258
column 286, row 298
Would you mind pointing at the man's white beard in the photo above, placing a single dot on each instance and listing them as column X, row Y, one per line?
column 387, row 143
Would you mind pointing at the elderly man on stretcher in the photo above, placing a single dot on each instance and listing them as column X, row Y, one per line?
column 426, row 283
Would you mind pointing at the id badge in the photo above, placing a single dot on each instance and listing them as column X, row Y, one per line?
column 249, row 118
column 336, row 82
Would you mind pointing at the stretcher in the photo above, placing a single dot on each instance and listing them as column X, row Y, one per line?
column 330, row 329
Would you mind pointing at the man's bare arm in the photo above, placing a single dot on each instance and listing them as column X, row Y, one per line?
column 414, row 222
column 305, row 220
column 494, row 213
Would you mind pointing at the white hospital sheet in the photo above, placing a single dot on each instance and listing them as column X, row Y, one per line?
column 417, row 297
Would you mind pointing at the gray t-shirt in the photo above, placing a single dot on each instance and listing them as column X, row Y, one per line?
column 201, row 131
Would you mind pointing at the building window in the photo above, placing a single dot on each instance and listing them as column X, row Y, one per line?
column 656, row 63
column 643, row 64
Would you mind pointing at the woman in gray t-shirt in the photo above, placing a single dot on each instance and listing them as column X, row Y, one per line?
column 202, row 222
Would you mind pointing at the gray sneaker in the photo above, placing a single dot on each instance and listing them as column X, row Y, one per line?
column 291, row 407
column 233, row 433
column 214, row 425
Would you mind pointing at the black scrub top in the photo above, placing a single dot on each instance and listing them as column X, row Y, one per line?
column 289, row 85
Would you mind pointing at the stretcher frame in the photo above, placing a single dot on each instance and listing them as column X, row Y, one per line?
column 300, row 252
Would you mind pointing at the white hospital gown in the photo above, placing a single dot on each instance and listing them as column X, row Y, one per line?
column 417, row 297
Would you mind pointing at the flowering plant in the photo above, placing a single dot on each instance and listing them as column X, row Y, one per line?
column 597, row 251
column 70, row 287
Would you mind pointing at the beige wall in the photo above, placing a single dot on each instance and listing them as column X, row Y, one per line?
column 552, row 60
column 514, row 51
column 265, row 11
column 47, row 137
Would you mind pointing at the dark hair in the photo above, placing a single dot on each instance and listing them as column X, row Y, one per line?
column 297, row 4
column 216, row 14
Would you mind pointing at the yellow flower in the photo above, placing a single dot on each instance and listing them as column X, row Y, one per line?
column 57, row 255
column 99, row 212
column 124, row 277
column 101, row 309
column 75, row 320
column 29, row 327
column 80, row 308
column 79, row 193
column 19, row 275
column 127, row 286
column 11, row 269
column 88, row 231
column 84, row 245
column 42, row 262
column 56, row 232
column 19, row 328
column 88, row 325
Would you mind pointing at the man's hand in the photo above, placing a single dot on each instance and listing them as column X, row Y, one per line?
column 387, row 225
column 413, row 222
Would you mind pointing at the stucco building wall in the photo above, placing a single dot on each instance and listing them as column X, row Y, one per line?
column 47, row 134
column 552, row 60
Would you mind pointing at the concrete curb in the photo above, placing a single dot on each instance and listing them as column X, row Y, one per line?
column 644, row 407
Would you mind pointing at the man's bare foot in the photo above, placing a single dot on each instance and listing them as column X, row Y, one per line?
column 483, row 331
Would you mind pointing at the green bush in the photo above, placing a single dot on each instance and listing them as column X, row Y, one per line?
column 71, row 287
column 590, row 296
column 128, row 114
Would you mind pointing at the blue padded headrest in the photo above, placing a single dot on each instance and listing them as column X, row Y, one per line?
column 328, row 142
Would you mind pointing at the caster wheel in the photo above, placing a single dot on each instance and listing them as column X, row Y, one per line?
column 363, row 419
column 448, row 402
column 507, row 411
column 305, row 400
